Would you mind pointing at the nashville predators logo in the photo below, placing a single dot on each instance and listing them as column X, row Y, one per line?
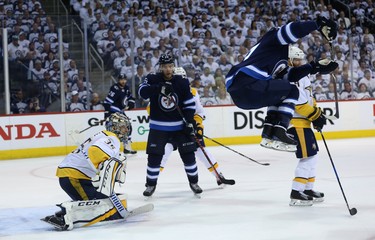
column 166, row 103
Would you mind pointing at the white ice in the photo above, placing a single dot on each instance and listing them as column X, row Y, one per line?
column 255, row 208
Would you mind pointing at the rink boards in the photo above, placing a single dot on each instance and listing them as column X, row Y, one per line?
column 24, row 136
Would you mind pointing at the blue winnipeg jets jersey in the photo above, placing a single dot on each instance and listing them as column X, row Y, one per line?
column 164, row 115
column 119, row 98
column 270, row 55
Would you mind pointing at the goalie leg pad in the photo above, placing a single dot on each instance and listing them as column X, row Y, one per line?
column 86, row 213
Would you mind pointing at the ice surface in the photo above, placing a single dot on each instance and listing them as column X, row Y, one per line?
column 255, row 208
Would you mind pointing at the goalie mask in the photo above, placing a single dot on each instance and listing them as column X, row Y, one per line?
column 119, row 124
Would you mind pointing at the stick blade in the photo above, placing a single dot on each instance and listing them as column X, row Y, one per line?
column 353, row 211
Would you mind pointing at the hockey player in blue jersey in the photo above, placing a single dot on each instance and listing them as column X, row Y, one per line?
column 120, row 99
column 166, row 123
column 263, row 78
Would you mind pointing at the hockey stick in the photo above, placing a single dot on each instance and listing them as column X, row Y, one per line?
column 352, row 211
column 213, row 140
column 222, row 179
column 336, row 115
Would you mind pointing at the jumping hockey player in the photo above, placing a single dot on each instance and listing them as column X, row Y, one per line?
column 306, row 112
column 120, row 99
column 166, row 123
column 258, row 81
column 99, row 158
column 199, row 116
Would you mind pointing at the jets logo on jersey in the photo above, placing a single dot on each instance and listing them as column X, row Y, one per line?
column 18, row 53
column 52, row 39
column 166, row 103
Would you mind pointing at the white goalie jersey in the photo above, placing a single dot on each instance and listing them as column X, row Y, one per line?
column 83, row 162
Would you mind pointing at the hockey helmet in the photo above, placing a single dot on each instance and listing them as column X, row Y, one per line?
column 119, row 124
column 166, row 59
column 121, row 76
column 180, row 71
column 295, row 53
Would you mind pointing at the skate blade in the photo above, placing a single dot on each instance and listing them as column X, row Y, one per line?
column 318, row 200
column 281, row 146
column 222, row 186
column 266, row 143
column 147, row 198
column 197, row 195
column 300, row 203
column 56, row 226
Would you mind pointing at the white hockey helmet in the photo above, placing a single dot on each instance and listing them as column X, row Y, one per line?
column 295, row 53
column 180, row 71
column 119, row 124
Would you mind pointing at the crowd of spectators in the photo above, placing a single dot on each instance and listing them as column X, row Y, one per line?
column 33, row 57
column 206, row 38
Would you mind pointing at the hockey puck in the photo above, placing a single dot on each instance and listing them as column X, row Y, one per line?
column 353, row 211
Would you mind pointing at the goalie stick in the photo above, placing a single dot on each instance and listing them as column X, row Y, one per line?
column 139, row 210
column 220, row 177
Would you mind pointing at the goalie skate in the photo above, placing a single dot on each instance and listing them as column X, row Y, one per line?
column 300, row 199
column 57, row 222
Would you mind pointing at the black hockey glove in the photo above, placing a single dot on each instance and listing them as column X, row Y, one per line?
column 166, row 89
column 190, row 128
column 320, row 122
column 327, row 28
column 324, row 66
column 131, row 105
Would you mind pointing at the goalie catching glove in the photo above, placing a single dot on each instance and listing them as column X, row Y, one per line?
column 323, row 66
column 327, row 28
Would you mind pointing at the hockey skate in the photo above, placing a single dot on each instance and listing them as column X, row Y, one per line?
column 282, row 141
column 222, row 180
column 128, row 149
column 267, row 135
column 317, row 196
column 300, row 199
column 57, row 222
column 195, row 188
column 149, row 191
